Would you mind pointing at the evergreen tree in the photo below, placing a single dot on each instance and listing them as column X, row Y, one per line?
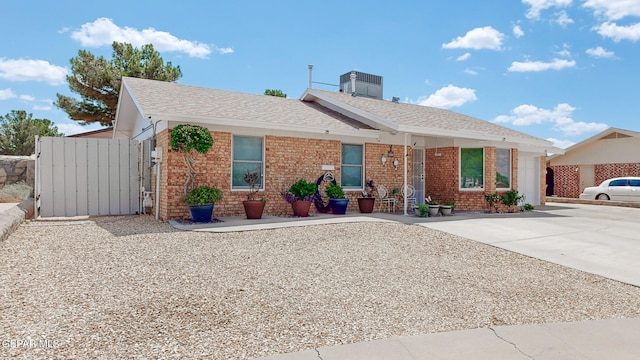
column 97, row 80
column 18, row 131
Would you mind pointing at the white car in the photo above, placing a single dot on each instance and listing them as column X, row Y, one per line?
column 616, row 189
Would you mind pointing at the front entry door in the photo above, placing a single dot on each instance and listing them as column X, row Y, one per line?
column 417, row 174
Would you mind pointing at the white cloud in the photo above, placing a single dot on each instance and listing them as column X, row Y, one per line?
column 448, row 97
column 103, row 32
column 27, row 98
column 464, row 57
column 7, row 94
column 560, row 116
column 517, row 31
column 478, row 38
column 614, row 10
column 565, row 51
column 562, row 144
column 32, row 70
column 618, row 33
column 42, row 108
column 224, row 51
column 536, row 6
column 563, row 19
column 470, row 72
column 535, row 66
column 600, row 52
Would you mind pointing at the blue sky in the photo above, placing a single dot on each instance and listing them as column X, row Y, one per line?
column 561, row 70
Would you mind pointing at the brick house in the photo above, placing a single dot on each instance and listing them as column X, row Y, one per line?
column 611, row 153
column 449, row 156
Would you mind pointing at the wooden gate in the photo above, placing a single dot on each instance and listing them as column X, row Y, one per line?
column 84, row 176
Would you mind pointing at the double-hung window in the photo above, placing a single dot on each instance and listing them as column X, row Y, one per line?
column 248, row 156
column 472, row 168
column 351, row 170
column 503, row 169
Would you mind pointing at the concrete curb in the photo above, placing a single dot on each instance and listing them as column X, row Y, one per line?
column 10, row 220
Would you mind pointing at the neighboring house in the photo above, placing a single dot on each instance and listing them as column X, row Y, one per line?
column 449, row 156
column 611, row 153
column 106, row 133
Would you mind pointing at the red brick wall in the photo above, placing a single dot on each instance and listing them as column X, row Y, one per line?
column 442, row 178
column 287, row 159
column 608, row 171
column 566, row 180
column 441, row 174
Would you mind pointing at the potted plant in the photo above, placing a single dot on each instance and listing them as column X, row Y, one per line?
column 300, row 195
column 366, row 203
column 446, row 208
column 252, row 207
column 337, row 200
column 188, row 139
column 201, row 200
column 434, row 208
column 422, row 210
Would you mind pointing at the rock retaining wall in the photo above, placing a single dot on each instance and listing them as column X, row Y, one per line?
column 14, row 169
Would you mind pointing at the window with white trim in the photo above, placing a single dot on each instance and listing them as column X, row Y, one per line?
column 351, row 170
column 503, row 169
column 472, row 168
column 248, row 156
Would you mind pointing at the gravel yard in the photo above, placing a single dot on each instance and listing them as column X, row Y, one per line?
column 123, row 287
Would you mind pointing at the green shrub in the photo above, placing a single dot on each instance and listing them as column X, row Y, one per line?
column 423, row 209
column 528, row 207
column 185, row 137
column 335, row 191
column 302, row 189
column 203, row 195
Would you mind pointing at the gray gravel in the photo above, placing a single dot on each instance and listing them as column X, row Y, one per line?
column 122, row 287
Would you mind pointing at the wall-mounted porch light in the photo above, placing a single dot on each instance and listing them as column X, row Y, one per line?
column 383, row 159
column 390, row 153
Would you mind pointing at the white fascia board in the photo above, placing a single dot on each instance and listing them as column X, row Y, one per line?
column 365, row 117
column 475, row 135
column 363, row 133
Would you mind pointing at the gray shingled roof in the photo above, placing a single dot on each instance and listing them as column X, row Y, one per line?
column 171, row 99
column 424, row 116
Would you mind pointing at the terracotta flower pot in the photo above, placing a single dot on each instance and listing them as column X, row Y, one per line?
column 366, row 204
column 254, row 208
column 301, row 208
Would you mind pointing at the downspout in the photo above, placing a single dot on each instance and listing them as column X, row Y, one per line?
column 405, row 173
column 157, row 190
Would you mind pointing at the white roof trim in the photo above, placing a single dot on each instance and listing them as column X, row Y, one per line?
column 373, row 134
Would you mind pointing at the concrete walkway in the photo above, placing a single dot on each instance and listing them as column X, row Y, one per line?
column 597, row 339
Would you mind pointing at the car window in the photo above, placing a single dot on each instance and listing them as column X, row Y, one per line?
column 619, row 182
column 634, row 182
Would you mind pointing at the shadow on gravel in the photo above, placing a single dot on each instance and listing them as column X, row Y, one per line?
column 129, row 225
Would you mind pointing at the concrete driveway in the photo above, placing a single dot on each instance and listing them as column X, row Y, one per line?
column 603, row 240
